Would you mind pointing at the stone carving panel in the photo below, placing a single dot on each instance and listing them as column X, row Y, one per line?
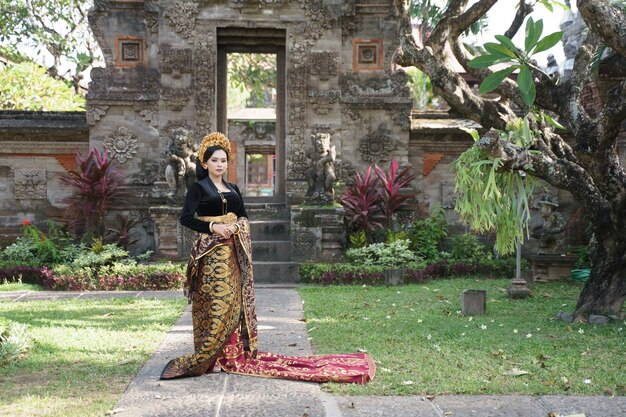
column 367, row 55
column 30, row 184
column 377, row 145
column 151, row 20
column 176, row 98
column 122, row 144
column 391, row 87
column 323, row 101
column 401, row 116
column 182, row 17
column 150, row 115
column 348, row 17
column 318, row 19
column 130, row 51
column 204, row 89
column 95, row 113
column 175, row 61
column 324, row 64
column 305, row 241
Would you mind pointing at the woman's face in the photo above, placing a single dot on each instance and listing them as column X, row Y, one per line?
column 217, row 163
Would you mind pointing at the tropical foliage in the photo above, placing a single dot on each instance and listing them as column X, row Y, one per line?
column 27, row 86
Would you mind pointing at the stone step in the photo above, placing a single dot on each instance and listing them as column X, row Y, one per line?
column 270, row 230
column 271, row 250
column 276, row 272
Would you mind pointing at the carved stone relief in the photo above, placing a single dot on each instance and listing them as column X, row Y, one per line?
column 175, row 61
column 182, row 17
column 151, row 20
column 204, row 89
column 348, row 17
column 377, row 145
column 97, row 21
column 176, row 98
column 323, row 101
column 392, row 87
column 150, row 115
column 346, row 171
column 401, row 116
column 95, row 113
column 99, row 82
column 122, row 144
column 304, row 240
column 317, row 17
column 324, row 64
column 30, row 184
column 150, row 172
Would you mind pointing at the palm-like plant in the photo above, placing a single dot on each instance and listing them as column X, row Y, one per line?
column 361, row 201
column 96, row 182
column 390, row 188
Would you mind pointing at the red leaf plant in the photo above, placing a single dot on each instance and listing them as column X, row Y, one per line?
column 96, row 183
column 390, row 188
column 361, row 201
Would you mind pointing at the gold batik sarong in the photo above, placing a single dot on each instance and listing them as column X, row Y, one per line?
column 216, row 297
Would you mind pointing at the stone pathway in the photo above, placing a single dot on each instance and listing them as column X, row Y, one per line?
column 279, row 310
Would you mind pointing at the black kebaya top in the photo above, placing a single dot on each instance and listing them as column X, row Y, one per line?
column 197, row 201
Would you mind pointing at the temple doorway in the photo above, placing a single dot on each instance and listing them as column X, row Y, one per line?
column 251, row 107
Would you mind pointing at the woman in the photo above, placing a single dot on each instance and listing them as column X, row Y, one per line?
column 220, row 287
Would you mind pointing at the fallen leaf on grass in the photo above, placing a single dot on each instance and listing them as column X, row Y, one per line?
column 515, row 372
column 406, row 383
column 362, row 350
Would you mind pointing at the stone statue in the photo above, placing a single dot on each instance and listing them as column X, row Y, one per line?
column 321, row 173
column 551, row 232
column 181, row 155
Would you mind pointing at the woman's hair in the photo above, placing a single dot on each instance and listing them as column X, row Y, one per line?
column 200, row 171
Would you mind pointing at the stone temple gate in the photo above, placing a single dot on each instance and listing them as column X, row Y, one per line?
column 166, row 68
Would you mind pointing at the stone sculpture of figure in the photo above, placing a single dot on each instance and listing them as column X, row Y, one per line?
column 181, row 155
column 321, row 173
column 551, row 231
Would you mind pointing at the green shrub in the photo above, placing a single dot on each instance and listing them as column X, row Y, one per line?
column 395, row 254
column 426, row 235
column 14, row 341
column 467, row 247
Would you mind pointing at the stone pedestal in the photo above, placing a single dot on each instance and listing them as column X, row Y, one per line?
column 317, row 233
column 547, row 267
column 474, row 302
column 171, row 239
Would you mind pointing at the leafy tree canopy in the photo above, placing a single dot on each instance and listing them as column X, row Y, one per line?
column 27, row 86
column 53, row 28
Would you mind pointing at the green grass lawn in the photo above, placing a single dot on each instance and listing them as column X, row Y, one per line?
column 423, row 345
column 18, row 286
column 84, row 353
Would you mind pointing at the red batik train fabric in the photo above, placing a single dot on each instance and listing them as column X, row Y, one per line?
column 358, row 368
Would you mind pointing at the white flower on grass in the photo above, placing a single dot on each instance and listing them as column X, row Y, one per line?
column 529, row 335
column 366, row 318
column 538, row 329
column 436, row 346
column 466, row 326
column 514, row 330
column 363, row 286
column 463, row 334
column 619, row 330
column 393, row 304
column 429, row 337
column 388, row 317
column 492, row 320
column 587, row 381
column 471, row 318
column 419, row 320
column 500, row 325
column 581, row 331
column 483, row 327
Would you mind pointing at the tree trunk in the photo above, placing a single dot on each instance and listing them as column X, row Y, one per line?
column 605, row 291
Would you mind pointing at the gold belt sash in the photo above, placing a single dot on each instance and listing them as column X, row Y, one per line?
column 228, row 218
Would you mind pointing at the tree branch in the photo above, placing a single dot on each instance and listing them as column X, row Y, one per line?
column 607, row 20
column 440, row 35
column 522, row 11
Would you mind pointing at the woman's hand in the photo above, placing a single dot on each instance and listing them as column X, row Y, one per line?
column 224, row 230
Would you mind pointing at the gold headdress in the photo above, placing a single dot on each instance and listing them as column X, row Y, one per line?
column 214, row 139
